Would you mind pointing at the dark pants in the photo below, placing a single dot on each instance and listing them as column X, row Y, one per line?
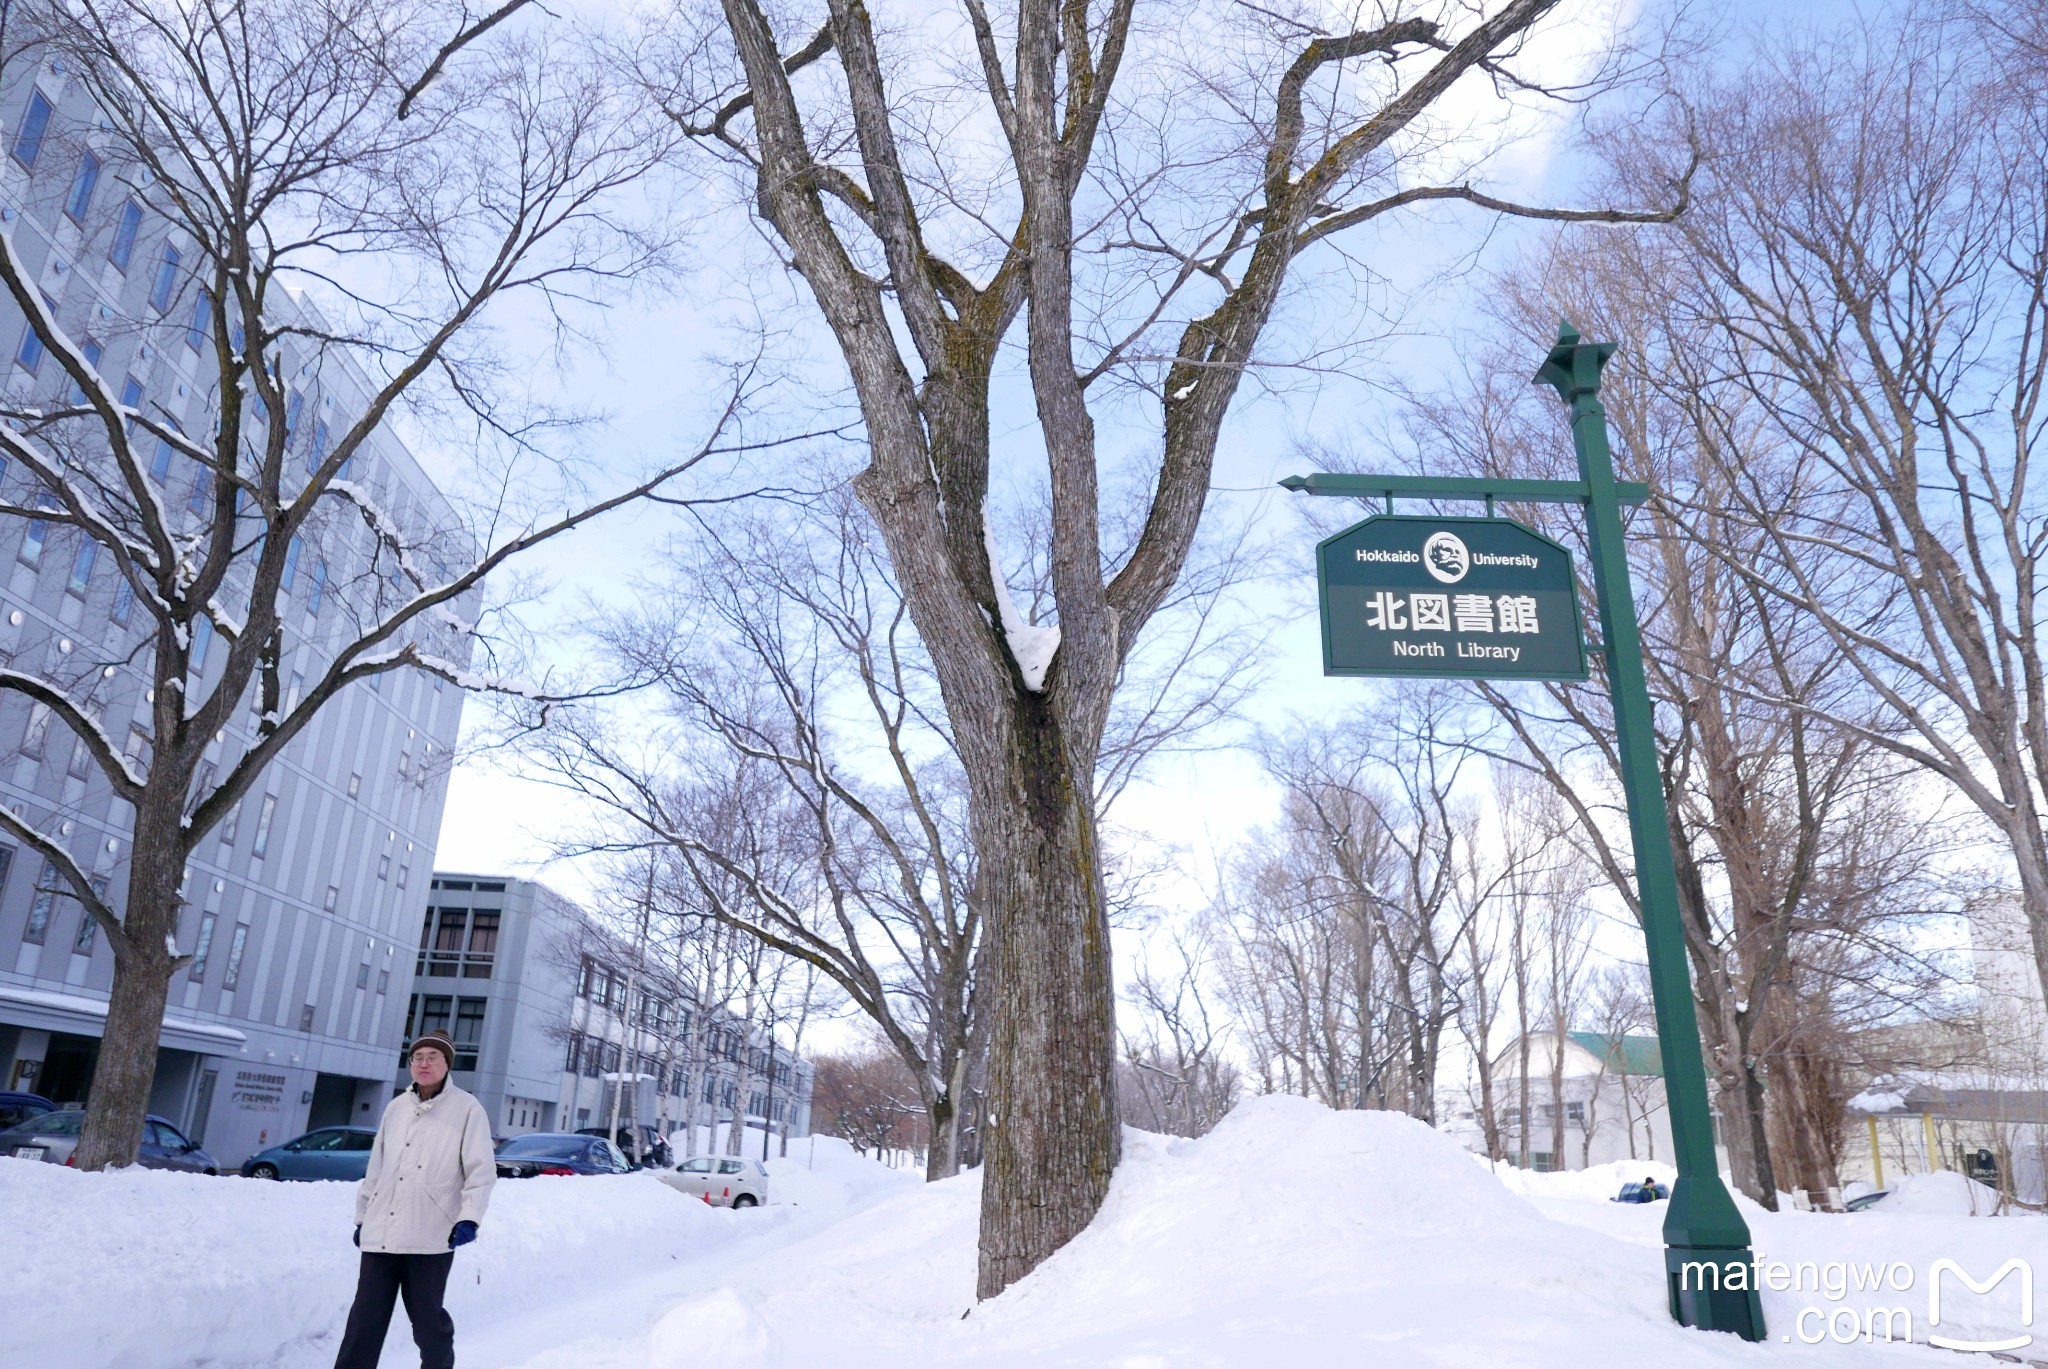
column 422, row 1279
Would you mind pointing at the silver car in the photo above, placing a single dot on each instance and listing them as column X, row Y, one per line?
column 720, row 1180
column 53, row 1136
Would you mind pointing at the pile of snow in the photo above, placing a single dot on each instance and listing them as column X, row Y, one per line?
column 1289, row 1235
column 137, row 1268
column 825, row 1174
column 1943, row 1193
column 1601, row 1181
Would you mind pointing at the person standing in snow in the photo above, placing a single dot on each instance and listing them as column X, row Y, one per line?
column 429, row 1181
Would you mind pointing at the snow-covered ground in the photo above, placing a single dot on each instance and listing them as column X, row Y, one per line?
column 1291, row 1235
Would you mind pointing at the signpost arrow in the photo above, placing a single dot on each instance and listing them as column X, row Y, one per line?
column 1709, row 1270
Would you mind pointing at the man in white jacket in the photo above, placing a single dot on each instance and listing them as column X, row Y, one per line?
column 427, row 1186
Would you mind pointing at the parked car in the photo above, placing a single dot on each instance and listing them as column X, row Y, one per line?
column 53, row 1136
column 555, row 1152
column 1868, row 1200
column 644, row 1147
column 16, row 1108
column 329, row 1153
column 1633, row 1192
column 721, row 1180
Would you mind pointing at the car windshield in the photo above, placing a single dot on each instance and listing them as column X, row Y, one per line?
column 549, row 1147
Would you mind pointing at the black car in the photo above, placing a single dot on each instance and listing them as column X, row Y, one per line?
column 644, row 1146
column 1633, row 1192
column 554, row 1152
column 16, row 1108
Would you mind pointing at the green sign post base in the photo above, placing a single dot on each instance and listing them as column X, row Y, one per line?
column 1709, row 1270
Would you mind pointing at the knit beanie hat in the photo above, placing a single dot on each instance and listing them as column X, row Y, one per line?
column 438, row 1041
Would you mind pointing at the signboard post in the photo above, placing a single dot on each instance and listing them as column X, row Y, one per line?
column 1709, row 1270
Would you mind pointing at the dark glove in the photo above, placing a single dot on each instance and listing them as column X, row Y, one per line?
column 463, row 1234
column 358, row 1237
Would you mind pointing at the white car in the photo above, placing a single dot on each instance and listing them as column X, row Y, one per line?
column 720, row 1180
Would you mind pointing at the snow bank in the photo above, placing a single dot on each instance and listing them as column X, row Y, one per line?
column 1290, row 1235
column 824, row 1173
column 1943, row 1193
column 140, row 1268
column 1601, row 1181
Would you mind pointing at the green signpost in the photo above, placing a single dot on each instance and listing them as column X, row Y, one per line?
column 1371, row 577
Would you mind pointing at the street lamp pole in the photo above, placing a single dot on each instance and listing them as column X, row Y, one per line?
column 1709, row 1270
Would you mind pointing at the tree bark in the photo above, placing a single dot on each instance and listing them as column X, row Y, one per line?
column 1053, row 1139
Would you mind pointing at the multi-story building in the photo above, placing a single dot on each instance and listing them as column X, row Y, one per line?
column 551, row 1022
column 302, row 906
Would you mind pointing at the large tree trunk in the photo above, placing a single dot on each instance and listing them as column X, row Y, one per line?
column 144, row 961
column 1053, row 1138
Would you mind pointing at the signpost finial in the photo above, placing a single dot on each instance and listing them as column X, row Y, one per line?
column 1573, row 366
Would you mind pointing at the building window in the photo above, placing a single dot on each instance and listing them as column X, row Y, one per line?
column 39, row 908
column 80, row 199
column 575, row 1052
column 383, row 867
column 483, row 943
column 291, row 695
column 202, row 642
column 593, row 1057
column 469, row 1031
column 306, row 1018
column 263, row 819
column 29, row 356
column 447, row 944
column 319, row 588
column 1575, row 1115
column 38, row 729
column 383, row 980
column 333, row 897
column 233, row 974
column 199, row 953
column 81, row 759
column 125, row 230
column 429, row 1013
column 230, row 825
column 404, row 762
column 166, row 279
column 92, row 352
column 35, row 122
column 81, row 567
column 291, row 565
column 202, row 321
column 124, row 601
column 160, row 460
column 318, row 451
column 355, row 785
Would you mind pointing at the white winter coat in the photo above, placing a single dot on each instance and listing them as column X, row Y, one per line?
column 432, row 1166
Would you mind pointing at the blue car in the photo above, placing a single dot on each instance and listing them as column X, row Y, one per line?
column 329, row 1153
column 16, row 1108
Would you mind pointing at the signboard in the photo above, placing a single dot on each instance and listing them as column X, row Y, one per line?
column 1473, row 598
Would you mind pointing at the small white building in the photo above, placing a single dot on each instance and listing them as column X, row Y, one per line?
column 1612, row 1095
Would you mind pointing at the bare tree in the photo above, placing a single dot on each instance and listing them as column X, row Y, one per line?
column 309, row 245
column 1877, row 320
column 1177, row 1078
column 920, row 249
